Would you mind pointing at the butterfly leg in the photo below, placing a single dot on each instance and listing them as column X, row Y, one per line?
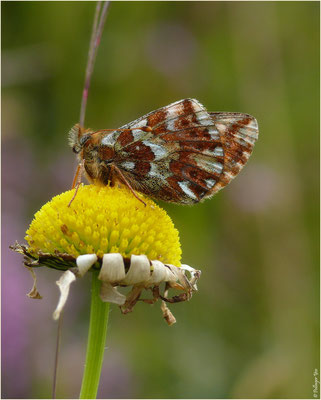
column 127, row 184
column 77, row 178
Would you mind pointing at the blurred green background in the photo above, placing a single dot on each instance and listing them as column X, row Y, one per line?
column 252, row 330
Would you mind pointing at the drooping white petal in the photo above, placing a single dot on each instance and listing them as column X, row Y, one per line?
column 180, row 276
column 64, row 283
column 85, row 262
column 110, row 294
column 113, row 268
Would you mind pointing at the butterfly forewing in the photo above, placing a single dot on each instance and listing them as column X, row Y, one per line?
column 187, row 154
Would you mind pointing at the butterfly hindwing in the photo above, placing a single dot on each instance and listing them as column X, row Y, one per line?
column 181, row 153
column 238, row 133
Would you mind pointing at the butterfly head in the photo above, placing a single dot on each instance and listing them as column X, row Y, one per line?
column 78, row 137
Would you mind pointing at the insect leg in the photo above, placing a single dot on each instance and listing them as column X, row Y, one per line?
column 128, row 184
column 78, row 175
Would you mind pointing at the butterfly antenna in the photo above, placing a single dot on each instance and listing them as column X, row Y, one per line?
column 141, row 128
column 98, row 25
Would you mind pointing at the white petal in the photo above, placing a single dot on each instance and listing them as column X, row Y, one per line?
column 168, row 275
column 33, row 294
column 85, row 262
column 195, row 274
column 180, row 276
column 113, row 268
column 159, row 272
column 110, row 294
column 187, row 268
column 63, row 283
column 139, row 270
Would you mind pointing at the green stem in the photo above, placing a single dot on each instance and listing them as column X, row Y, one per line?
column 96, row 342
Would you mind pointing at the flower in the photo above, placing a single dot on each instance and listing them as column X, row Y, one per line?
column 104, row 219
column 108, row 228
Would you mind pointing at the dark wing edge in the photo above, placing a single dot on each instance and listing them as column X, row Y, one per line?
column 239, row 133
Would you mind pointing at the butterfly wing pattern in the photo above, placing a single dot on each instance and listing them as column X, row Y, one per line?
column 186, row 155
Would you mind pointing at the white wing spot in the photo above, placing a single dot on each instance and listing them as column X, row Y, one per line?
column 129, row 165
column 229, row 175
column 174, row 109
column 218, row 167
column 210, row 183
column 239, row 165
column 246, row 154
column 184, row 186
column 158, row 150
column 197, row 105
column 221, row 127
column 109, row 140
column 170, row 126
column 214, row 133
column 139, row 124
column 248, row 132
column 172, row 113
column 218, row 151
column 154, row 172
column 210, row 165
column 204, row 118
column 243, row 141
column 137, row 134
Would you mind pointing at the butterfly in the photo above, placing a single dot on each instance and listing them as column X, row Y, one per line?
column 180, row 153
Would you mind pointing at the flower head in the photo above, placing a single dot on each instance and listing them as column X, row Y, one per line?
column 101, row 220
column 107, row 228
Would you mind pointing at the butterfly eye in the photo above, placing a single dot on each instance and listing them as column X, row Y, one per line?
column 76, row 149
column 83, row 139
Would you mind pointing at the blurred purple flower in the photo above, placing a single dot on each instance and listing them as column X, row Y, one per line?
column 14, row 338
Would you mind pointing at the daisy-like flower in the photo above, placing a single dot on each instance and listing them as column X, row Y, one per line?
column 108, row 231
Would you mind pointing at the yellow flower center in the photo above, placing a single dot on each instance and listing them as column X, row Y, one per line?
column 103, row 219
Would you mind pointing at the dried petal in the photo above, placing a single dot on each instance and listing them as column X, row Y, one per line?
column 110, row 294
column 33, row 294
column 167, row 314
column 64, row 284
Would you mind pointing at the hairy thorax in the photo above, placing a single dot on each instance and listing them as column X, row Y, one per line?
column 98, row 163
